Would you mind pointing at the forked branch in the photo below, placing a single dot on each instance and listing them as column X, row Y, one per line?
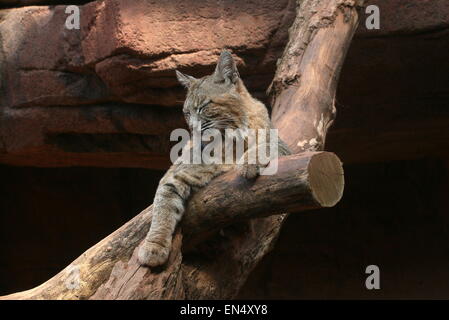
column 303, row 94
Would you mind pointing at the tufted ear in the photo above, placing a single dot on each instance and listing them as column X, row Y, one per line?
column 226, row 69
column 184, row 79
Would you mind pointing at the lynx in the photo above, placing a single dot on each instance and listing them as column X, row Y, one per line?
column 218, row 101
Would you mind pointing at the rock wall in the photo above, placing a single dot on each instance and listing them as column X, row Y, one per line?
column 105, row 97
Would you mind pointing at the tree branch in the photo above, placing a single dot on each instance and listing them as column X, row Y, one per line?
column 303, row 94
column 304, row 86
column 306, row 181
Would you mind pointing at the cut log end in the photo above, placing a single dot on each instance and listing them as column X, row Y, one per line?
column 326, row 178
column 317, row 63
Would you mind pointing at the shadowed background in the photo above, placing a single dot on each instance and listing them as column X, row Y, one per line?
column 85, row 118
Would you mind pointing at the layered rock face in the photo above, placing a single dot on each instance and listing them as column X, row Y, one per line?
column 106, row 95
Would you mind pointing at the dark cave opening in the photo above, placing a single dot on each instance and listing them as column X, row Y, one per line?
column 392, row 214
column 50, row 216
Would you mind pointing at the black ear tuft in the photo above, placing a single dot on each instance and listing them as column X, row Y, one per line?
column 184, row 79
column 226, row 69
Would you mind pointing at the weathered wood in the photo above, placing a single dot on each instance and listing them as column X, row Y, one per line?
column 110, row 270
column 303, row 92
column 304, row 181
column 306, row 79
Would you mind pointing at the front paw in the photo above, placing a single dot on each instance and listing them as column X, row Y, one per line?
column 152, row 254
column 249, row 171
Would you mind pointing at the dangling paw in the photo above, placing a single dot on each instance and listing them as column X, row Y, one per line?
column 249, row 171
column 152, row 254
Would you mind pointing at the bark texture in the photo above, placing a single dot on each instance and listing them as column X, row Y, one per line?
column 303, row 93
column 306, row 79
column 110, row 270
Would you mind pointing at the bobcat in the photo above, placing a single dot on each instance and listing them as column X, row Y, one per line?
column 219, row 101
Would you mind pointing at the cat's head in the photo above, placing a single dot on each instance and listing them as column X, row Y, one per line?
column 215, row 101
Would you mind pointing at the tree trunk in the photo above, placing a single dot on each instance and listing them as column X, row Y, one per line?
column 303, row 92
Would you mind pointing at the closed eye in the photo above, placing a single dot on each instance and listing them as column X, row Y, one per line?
column 201, row 108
